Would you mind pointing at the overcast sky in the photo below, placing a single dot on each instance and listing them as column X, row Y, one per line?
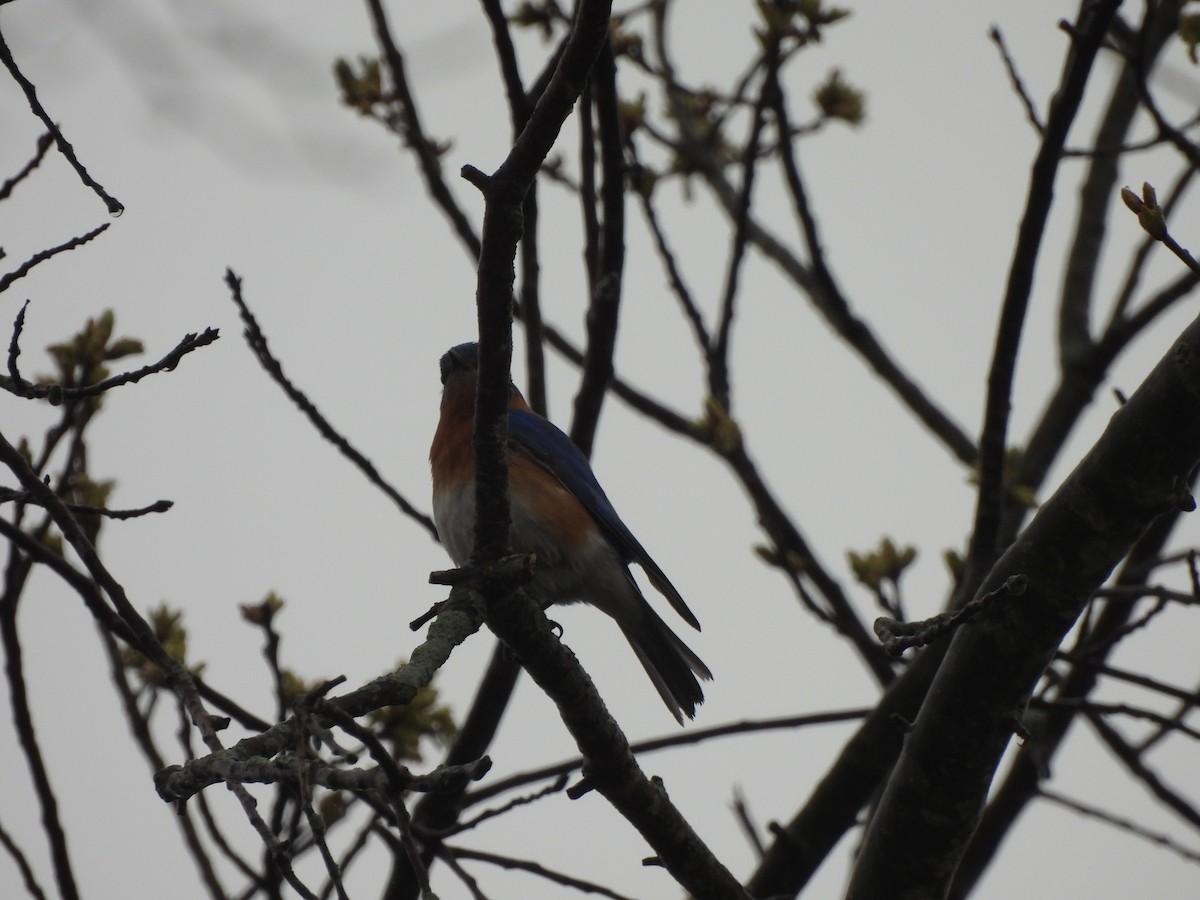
column 217, row 125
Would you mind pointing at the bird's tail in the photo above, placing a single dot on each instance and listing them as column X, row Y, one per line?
column 670, row 663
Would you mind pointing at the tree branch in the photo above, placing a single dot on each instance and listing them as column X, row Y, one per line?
column 41, row 256
column 1132, row 475
column 993, row 445
column 606, row 280
column 115, row 207
column 258, row 343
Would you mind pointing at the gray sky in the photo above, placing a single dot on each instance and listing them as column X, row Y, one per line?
column 217, row 125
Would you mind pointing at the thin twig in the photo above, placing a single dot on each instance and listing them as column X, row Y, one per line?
column 139, row 726
column 430, row 164
column 900, row 636
column 143, row 636
column 8, row 495
column 1120, row 822
column 1142, row 681
column 718, row 351
column 41, row 256
column 990, row 504
column 43, row 144
column 555, row 787
column 356, row 846
column 57, row 393
column 1174, row 800
column 608, row 254
column 519, row 105
column 258, row 344
column 678, row 287
column 27, row 875
column 87, row 589
column 31, row 749
column 741, row 811
column 464, row 876
column 688, row 738
column 115, row 207
column 457, row 620
column 835, row 310
column 1167, row 724
column 535, row 868
column 1014, row 77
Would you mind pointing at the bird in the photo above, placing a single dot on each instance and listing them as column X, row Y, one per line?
column 560, row 515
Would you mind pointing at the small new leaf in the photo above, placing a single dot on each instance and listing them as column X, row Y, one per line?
column 632, row 114
column 885, row 564
column 718, row 428
column 543, row 16
column 361, row 84
column 168, row 628
column 1021, row 496
column 122, row 347
column 1189, row 33
column 839, row 100
column 405, row 726
column 263, row 612
column 80, row 360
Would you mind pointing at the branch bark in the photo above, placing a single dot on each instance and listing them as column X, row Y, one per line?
column 1134, row 474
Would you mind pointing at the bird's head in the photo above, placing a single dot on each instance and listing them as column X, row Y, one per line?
column 460, row 359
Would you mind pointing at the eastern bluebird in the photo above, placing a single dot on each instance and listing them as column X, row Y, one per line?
column 559, row 513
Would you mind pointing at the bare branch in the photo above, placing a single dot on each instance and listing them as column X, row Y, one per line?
column 1172, row 799
column 535, row 868
column 609, row 257
column 1122, row 823
column 57, row 393
column 22, row 270
column 115, row 207
column 258, row 343
column 430, row 165
column 688, row 738
column 8, row 495
column 1018, row 84
column 27, row 875
column 459, row 618
column 43, row 144
column 718, row 351
column 900, row 636
column 993, row 445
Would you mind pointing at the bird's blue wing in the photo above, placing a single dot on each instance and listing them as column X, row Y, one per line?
column 546, row 443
